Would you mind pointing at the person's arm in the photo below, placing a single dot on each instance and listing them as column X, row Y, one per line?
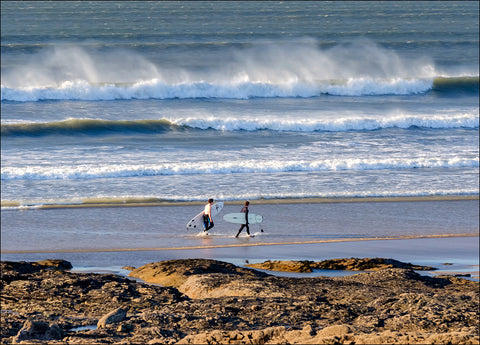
column 246, row 215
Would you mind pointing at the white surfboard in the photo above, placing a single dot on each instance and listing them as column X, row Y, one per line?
column 196, row 223
column 239, row 218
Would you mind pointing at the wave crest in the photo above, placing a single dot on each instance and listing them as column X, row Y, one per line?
column 261, row 69
column 87, row 127
column 229, row 167
column 73, row 127
column 158, row 89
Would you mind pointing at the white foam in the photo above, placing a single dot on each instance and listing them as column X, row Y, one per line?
column 440, row 121
column 38, row 204
column 159, row 89
column 229, row 167
column 313, row 123
column 262, row 69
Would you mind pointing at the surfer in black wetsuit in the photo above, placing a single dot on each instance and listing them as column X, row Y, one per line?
column 245, row 225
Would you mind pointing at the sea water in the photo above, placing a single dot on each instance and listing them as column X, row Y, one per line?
column 183, row 101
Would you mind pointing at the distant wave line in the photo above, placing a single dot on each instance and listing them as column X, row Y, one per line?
column 160, row 89
column 74, row 127
column 228, row 167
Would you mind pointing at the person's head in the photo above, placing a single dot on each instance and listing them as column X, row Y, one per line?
column 210, row 201
column 247, row 203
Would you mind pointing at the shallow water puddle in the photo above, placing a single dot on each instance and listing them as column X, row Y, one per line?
column 84, row 328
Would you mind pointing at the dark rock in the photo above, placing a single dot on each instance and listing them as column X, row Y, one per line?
column 125, row 328
column 55, row 264
column 285, row 266
column 175, row 272
column 38, row 330
column 237, row 305
column 353, row 264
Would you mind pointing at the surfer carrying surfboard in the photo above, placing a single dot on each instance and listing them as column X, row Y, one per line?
column 244, row 225
column 207, row 216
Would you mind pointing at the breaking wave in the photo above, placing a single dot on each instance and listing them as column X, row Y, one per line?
column 158, row 89
column 74, row 127
column 229, row 167
column 262, row 70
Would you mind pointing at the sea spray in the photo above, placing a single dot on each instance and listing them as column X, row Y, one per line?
column 263, row 69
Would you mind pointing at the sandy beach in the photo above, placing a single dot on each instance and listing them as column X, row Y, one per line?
column 430, row 231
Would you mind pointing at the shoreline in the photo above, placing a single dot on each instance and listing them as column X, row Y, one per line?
column 341, row 240
column 429, row 233
column 147, row 202
column 455, row 255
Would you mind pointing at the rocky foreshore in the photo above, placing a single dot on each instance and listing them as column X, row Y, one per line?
column 352, row 264
column 212, row 302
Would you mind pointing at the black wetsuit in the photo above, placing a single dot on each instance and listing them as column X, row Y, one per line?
column 244, row 210
column 207, row 223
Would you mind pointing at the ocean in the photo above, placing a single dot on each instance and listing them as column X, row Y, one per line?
column 117, row 102
column 182, row 101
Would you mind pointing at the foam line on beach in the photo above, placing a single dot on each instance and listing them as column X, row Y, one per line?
column 93, row 250
column 148, row 202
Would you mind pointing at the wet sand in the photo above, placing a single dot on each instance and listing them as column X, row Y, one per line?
column 459, row 253
column 426, row 230
column 262, row 244
column 139, row 202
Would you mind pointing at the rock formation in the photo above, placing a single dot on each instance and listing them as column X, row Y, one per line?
column 353, row 264
column 216, row 302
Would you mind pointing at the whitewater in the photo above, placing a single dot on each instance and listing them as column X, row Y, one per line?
column 86, row 126
column 267, row 68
